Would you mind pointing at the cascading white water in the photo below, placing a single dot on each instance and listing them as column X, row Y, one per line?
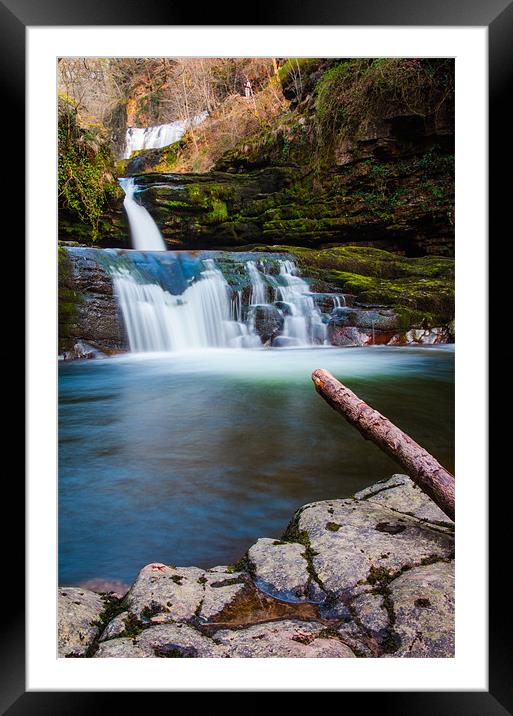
column 157, row 321
column 145, row 233
column 303, row 321
column 210, row 314
column 161, row 135
column 258, row 285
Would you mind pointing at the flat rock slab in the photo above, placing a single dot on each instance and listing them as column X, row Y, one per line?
column 371, row 612
column 181, row 594
column 423, row 603
column 165, row 641
column 282, row 639
column 79, row 613
column 352, row 540
column 401, row 494
column 281, row 570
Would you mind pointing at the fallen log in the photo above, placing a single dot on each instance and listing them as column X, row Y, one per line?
column 422, row 467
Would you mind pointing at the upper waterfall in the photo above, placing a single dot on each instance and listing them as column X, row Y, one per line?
column 145, row 232
column 161, row 135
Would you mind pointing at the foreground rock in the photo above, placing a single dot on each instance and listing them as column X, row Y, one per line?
column 79, row 620
column 423, row 601
column 371, row 576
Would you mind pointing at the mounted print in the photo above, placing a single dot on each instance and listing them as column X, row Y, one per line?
column 256, row 269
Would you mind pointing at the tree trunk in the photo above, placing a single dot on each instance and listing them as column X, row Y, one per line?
column 422, row 467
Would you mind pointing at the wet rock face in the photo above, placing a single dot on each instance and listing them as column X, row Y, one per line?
column 96, row 323
column 268, row 321
column 371, row 576
column 352, row 326
column 79, row 613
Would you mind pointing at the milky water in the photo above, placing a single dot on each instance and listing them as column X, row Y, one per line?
column 189, row 457
column 161, row 135
column 144, row 231
column 210, row 314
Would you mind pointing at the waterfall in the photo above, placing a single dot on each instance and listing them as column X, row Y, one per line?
column 303, row 321
column 161, row 135
column 176, row 302
column 155, row 320
column 145, row 233
column 258, row 284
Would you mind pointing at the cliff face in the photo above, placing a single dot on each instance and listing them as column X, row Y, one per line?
column 382, row 192
column 364, row 154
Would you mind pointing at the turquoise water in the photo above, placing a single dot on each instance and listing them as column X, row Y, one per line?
column 188, row 458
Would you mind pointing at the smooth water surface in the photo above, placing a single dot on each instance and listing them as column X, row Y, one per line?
column 188, row 458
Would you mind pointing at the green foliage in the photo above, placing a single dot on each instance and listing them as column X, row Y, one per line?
column 295, row 66
column 355, row 92
column 85, row 180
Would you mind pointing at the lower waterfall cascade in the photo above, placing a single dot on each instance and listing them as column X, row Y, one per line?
column 210, row 313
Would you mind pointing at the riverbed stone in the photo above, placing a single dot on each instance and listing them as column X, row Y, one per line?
column 79, row 613
column 163, row 593
column 401, row 494
column 371, row 576
column 268, row 321
column 353, row 540
column 423, row 604
column 172, row 592
column 280, row 569
column 164, row 640
column 286, row 638
column 178, row 640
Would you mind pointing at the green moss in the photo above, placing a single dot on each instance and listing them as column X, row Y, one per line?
column 85, row 170
column 297, row 66
column 150, row 611
column 218, row 211
column 420, row 290
column 112, row 608
column 133, row 627
column 241, row 566
column 332, row 526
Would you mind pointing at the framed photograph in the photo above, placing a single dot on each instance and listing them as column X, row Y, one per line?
column 252, row 250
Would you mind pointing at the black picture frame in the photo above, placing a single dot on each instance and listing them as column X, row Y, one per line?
column 497, row 16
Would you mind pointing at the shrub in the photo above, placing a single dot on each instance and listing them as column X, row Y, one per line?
column 357, row 91
column 85, row 180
